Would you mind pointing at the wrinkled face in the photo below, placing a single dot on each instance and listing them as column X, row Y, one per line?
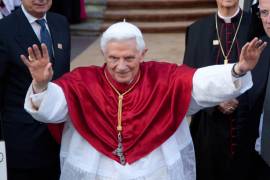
column 123, row 60
column 227, row 3
column 37, row 8
column 264, row 6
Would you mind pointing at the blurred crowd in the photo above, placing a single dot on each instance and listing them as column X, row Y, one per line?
column 73, row 10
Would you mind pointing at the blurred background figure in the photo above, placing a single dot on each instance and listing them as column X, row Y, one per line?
column 7, row 6
column 74, row 10
column 223, row 136
column 252, row 6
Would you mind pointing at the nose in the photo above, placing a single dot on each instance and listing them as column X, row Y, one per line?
column 121, row 66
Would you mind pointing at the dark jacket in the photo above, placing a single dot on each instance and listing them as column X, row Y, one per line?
column 29, row 143
column 225, row 144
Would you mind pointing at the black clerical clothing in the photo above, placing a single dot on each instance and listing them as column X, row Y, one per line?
column 224, row 144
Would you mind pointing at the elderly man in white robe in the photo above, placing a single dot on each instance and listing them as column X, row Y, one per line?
column 108, row 133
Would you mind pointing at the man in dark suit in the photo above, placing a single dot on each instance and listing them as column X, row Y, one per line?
column 32, row 153
column 259, row 101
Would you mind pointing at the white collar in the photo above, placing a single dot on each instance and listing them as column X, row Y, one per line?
column 228, row 19
column 31, row 19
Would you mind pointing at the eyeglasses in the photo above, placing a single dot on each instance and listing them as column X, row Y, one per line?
column 264, row 13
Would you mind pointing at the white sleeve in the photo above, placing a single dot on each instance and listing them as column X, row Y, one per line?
column 215, row 84
column 9, row 5
column 17, row 3
column 49, row 106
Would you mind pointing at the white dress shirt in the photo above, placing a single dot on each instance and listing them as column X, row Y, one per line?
column 173, row 160
column 32, row 20
column 259, row 139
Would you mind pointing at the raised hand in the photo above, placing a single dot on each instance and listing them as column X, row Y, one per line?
column 249, row 56
column 40, row 67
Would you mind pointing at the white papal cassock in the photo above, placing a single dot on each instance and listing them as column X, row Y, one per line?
column 173, row 160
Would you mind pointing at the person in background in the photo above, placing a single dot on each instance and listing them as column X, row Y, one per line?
column 73, row 10
column 8, row 6
column 32, row 153
column 223, row 135
column 256, row 29
column 260, row 98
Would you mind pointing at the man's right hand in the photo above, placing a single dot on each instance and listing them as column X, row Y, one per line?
column 40, row 67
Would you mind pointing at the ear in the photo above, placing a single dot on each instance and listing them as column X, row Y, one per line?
column 104, row 56
column 143, row 54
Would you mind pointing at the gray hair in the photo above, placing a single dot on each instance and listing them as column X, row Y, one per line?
column 122, row 31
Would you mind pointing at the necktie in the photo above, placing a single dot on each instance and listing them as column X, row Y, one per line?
column 45, row 36
column 265, row 141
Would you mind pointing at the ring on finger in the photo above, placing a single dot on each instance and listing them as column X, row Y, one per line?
column 30, row 58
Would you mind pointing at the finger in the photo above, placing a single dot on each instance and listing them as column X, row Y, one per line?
column 258, row 43
column 245, row 48
column 253, row 42
column 45, row 52
column 253, row 45
column 262, row 46
column 230, row 109
column 25, row 60
column 37, row 52
column 232, row 106
column 32, row 56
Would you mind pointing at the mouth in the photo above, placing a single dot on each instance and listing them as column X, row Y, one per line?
column 40, row 5
column 122, row 74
